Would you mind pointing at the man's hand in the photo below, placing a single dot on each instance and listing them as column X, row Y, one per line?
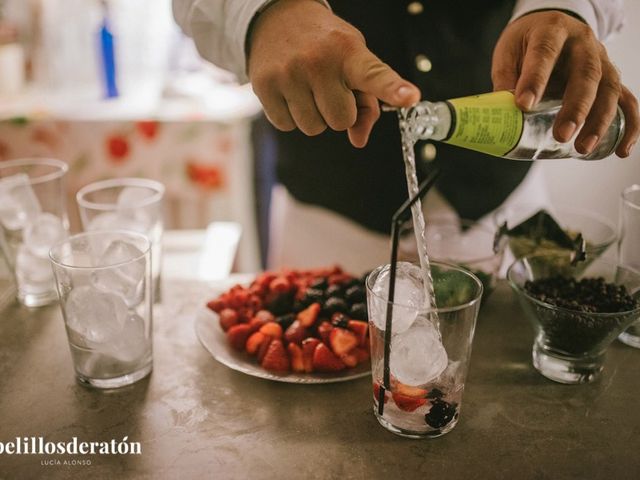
column 310, row 70
column 554, row 49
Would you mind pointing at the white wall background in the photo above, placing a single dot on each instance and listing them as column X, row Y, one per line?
column 597, row 185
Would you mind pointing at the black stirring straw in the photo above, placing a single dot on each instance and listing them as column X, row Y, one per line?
column 401, row 215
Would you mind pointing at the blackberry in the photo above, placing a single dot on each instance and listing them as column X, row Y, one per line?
column 435, row 393
column 312, row 295
column 320, row 284
column 334, row 305
column 355, row 294
column 358, row 311
column 281, row 305
column 441, row 413
column 285, row 321
column 340, row 320
column 334, row 291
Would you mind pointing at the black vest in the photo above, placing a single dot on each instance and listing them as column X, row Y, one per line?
column 368, row 185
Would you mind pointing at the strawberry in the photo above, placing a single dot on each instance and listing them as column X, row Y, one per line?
column 296, row 333
column 276, row 359
column 324, row 360
column 272, row 329
column 256, row 323
column 362, row 353
column 239, row 298
column 264, row 346
column 360, row 329
column 342, row 341
column 407, row 403
column 409, row 391
column 228, row 318
column 254, row 302
column 265, row 316
column 308, row 347
column 295, row 353
column 254, row 342
column 280, row 284
column 264, row 279
column 376, row 392
column 324, row 330
column 237, row 335
column 308, row 316
column 217, row 305
column 350, row 359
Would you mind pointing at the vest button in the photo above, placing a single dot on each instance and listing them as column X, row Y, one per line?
column 415, row 8
column 428, row 152
column 423, row 63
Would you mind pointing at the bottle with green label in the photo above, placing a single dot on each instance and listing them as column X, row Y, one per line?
column 491, row 123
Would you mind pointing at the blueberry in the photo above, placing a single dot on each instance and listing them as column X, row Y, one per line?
column 320, row 284
column 356, row 294
column 440, row 414
column 285, row 321
column 358, row 311
column 335, row 304
column 340, row 320
column 334, row 291
column 312, row 295
column 281, row 305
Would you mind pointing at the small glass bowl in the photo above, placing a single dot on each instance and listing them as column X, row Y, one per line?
column 570, row 345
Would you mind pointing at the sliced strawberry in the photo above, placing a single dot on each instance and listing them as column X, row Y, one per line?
column 272, row 329
column 350, row 359
column 217, row 304
column 360, row 329
column 256, row 324
column 362, row 353
column 265, row 316
column 228, row 318
column 280, row 284
column 324, row 331
column 308, row 347
column 376, row 392
column 254, row 342
column 239, row 298
column 264, row 346
column 308, row 316
column 409, row 391
column 237, row 335
column 264, row 279
column 254, row 302
column 295, row 354
column 324, row 360
column 407, row 403
column 342, row 341
column 296, row 333
column 276, row 358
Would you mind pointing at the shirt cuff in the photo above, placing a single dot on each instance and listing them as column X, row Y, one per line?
column 582, row 8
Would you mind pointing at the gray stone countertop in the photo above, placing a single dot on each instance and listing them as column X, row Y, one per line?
column 196, row 418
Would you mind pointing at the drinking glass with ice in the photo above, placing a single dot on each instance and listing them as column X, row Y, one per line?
column 33, row 217
column 429, row 355
column 104, row 283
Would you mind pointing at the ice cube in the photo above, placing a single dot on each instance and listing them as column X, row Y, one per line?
column 127, row 279
column 131, row 343
column 18, row 202
column 111, row 221
column 409, row 297
column 33, row 271
column 42, row 233
column 96, row 317
column 133, row 207
column 133, row 196
column 417, row 355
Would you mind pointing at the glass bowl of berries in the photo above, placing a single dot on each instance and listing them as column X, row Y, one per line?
column 576, row 311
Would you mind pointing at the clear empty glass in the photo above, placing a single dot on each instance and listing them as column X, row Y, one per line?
column 33, row 216
column 130, row 204
column 104, row 283
column 428, row 364
column 629, row 248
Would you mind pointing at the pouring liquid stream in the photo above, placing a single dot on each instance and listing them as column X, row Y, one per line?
column 419, row 226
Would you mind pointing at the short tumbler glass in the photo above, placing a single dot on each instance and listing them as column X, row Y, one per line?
column 427, row 365
column 134, row 204
column 629, row 248
column 104, row 284
column 33, row 216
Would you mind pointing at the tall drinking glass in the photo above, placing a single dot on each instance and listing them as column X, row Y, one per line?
column 126, row 203
column 629, row 248
column 428, row 361
column 104, row 283
column 33, row 216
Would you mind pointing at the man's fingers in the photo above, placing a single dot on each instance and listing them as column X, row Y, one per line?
column 367, row 73
column 629, row 105
column 277, row 112
column 368, row 114
column 304, row 112
column 505, row 65
column 335, row 102
column 542, row 51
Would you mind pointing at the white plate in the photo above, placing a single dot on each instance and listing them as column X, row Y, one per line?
column 215, row 341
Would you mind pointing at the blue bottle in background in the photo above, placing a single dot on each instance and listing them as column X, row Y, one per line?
column 107, row 55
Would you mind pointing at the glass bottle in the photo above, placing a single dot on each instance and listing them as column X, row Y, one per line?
column 491, row 123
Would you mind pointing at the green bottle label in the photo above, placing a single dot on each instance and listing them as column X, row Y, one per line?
column 489, row 123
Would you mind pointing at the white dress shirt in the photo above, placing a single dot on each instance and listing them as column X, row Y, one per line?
column 219, row 27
